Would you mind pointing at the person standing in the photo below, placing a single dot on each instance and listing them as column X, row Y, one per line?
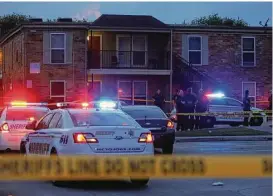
column 180, row 108
column 201, row 107
column 175, row 97
column 246, row 107
column 159, row 99
column 190, row 101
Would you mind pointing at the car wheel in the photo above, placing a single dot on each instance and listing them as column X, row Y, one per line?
column 23, row 149
column 234, row 124
column 140, row 182
column 210, row 121
column 256, row 121
column 168, row 149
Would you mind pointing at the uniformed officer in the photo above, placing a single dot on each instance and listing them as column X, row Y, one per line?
column 175, row 97
column 246, row 107
column 180, row 107
column 201, row 107
column 159, row 99
column 190, row 101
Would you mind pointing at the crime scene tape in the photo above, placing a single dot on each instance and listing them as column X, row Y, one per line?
column 220, row 114
column 118, row 167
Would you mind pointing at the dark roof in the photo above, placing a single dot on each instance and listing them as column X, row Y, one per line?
column 127, row 21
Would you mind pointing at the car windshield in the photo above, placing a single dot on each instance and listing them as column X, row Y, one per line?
column 90, row 118
column 25, row 114
column 141, row 113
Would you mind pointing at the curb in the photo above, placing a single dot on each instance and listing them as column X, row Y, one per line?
column 223, row 138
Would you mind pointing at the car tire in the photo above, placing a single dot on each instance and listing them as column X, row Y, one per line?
column 23, row 151
column 210, row 121
column 234, row 124
column 168, row 149
column 257, row 121
column 140, row 182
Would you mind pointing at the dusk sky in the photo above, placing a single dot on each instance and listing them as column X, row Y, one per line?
column 168, row 12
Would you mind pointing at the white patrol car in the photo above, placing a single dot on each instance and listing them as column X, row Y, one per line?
column 13, row 121
column 218, row 102
column 88, row 131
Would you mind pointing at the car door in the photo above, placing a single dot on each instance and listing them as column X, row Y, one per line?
column 219, row 105
column 56, row 132
column 38, row 140
column 235, row 107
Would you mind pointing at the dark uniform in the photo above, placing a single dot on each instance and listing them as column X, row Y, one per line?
column 201, row 107
column 180, row 108
column 159, row 100
column 190, row 101
column 246, row 108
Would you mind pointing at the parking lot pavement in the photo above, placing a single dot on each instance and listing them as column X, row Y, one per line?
column 173, row 187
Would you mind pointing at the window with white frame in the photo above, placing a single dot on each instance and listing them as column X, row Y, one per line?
column 251, row 87
column 140, row 92
column 248, row 51
column 57, row 90
column 57, row 47
column 195, row 50
column 132, row 50
column 125, row 91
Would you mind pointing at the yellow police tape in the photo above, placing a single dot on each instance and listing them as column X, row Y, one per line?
column 119, row 167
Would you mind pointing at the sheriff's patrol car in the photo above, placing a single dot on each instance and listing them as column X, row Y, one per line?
column 13, row 120
column 88, row 131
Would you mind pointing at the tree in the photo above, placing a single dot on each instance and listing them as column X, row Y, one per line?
column 215, row 19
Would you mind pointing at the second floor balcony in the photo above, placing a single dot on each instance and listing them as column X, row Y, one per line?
column 117, row 59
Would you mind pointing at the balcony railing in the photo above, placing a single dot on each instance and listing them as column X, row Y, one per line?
column 113, row 59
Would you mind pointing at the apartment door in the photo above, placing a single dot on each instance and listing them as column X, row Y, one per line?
column 95, row 43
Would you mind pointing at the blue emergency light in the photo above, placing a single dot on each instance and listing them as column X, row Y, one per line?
column 216, row 95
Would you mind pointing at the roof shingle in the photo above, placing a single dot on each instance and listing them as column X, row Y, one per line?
column 127, row 21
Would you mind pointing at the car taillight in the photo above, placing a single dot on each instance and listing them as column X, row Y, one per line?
column 5, row 127
column 83, row 138
column 170, row 125
column 145, row 138
column 31, row 119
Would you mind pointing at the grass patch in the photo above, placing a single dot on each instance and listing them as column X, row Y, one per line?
column 221, row 132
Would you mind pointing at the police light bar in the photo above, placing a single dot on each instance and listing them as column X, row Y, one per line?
column 107, row 104
column 24, row 104
column 218, row 95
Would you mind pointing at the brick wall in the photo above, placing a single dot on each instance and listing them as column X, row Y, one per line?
column 28, row 46
column 224, row 62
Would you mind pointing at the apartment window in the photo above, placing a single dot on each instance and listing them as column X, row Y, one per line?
column 57, row 47
column 251, row 87
column 248, row 51
column 132, row 50
column 57, row 90
column 131, row 91
column 195, row 50
column 140, row 92
column 139, row 50
column 125, row 91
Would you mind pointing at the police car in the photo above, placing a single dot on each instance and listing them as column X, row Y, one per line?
column 72, row 130
column 13, row 121
column 218, row 102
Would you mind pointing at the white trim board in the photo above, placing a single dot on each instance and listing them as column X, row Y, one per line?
column 128, row 72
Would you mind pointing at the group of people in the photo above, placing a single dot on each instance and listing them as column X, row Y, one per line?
column 186, row 103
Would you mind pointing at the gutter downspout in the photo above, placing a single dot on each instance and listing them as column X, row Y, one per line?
column 85, row 69
column 171, row 66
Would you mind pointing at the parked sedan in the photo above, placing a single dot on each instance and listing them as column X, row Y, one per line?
column 154, row 119
column 229, row 105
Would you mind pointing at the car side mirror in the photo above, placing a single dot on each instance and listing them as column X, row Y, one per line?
column 31, row 125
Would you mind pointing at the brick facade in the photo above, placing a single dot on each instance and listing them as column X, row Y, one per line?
column 26, row 48
column 224, row 62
